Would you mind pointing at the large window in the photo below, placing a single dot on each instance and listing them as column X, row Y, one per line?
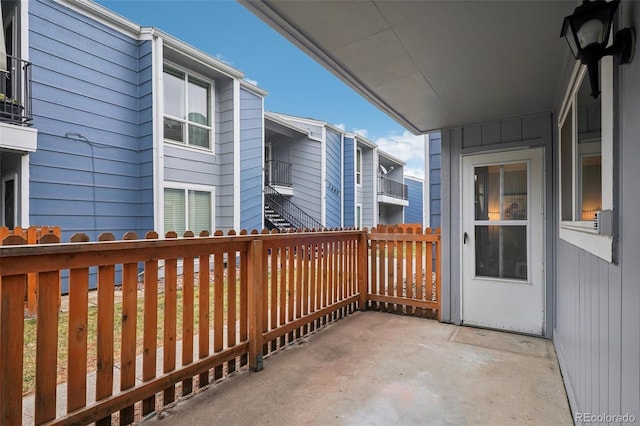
column 187, row 109
column 186, row 209
column 586, row 160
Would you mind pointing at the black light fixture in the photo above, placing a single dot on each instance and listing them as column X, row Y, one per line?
column 587, row 32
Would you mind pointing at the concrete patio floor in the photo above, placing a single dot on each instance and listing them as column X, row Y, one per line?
column 375, row 368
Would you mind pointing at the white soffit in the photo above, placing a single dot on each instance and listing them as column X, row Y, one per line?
column 433, row 64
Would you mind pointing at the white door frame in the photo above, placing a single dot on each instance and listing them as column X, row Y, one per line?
column 536, row 271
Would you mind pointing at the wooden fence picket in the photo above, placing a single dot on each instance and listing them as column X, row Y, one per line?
column 78, row 333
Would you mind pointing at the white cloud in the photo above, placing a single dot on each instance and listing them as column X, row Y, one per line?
column 361, row 132
column 340, row 126
column 220, row 57
column 414, row 172
column 408, row 148
column 254, row 82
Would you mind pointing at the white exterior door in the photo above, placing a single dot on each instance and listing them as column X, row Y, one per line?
column 503, row 241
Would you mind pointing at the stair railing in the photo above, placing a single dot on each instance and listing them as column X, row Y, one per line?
column 289, row 211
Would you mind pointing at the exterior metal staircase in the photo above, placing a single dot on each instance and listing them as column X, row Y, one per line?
column 274, row 221
column 282, row 214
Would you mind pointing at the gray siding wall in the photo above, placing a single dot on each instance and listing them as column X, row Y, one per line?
column 305, row 172
column 189, row 166
column 281, row 151
column 435, row 165
column 251, row 135
column 390, row 214
column 527, row 131
column 597, row 326
column 91, row 80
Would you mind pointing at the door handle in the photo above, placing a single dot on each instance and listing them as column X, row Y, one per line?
column 465, row 238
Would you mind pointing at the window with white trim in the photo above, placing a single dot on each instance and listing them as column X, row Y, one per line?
column 187, row 109
column 359, row 166
column 586, row 159
column 187, row 209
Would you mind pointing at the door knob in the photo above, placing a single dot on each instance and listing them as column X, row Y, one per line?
column 465, row 238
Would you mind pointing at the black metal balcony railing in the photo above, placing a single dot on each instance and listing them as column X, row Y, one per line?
column 278, row 173
column 392, row 188
column 15, row 92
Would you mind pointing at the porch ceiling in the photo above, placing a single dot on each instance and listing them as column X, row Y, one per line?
column 433, row 64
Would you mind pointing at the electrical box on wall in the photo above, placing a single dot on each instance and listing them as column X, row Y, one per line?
column 603, row 222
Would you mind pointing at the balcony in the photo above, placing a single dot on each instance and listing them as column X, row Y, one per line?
column 16, row 133
column 270, row 295
column 392, row 192
column 278, row 175
column 15, row 92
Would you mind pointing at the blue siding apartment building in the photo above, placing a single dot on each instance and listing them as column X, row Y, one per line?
column 126, row 128
column 123, row 128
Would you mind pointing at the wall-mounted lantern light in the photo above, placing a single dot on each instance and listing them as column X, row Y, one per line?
column 587, row 32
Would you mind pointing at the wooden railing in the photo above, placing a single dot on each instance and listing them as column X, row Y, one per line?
column 153, row 338
column 403, row 276
column 31, row 235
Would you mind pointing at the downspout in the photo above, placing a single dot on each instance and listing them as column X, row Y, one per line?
column 426, row 190
column 342, row 180
column 355, row 184
column 262, row 165
column 158, row 157
column 25, row 170
column 323, row 177
column 236, row 155
column 376, row 181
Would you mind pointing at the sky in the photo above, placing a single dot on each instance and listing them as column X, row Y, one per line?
column 297, row 85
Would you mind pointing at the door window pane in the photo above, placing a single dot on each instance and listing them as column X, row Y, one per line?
column 501, row 192
column 514, row 191
column 501, row 251
column 487, row 193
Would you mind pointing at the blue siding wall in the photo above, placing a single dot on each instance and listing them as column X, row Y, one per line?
column 434, row 179
column 92, row 80
column 333, row 180
column 413, row 212
column 349, row 196
column 251, row 134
